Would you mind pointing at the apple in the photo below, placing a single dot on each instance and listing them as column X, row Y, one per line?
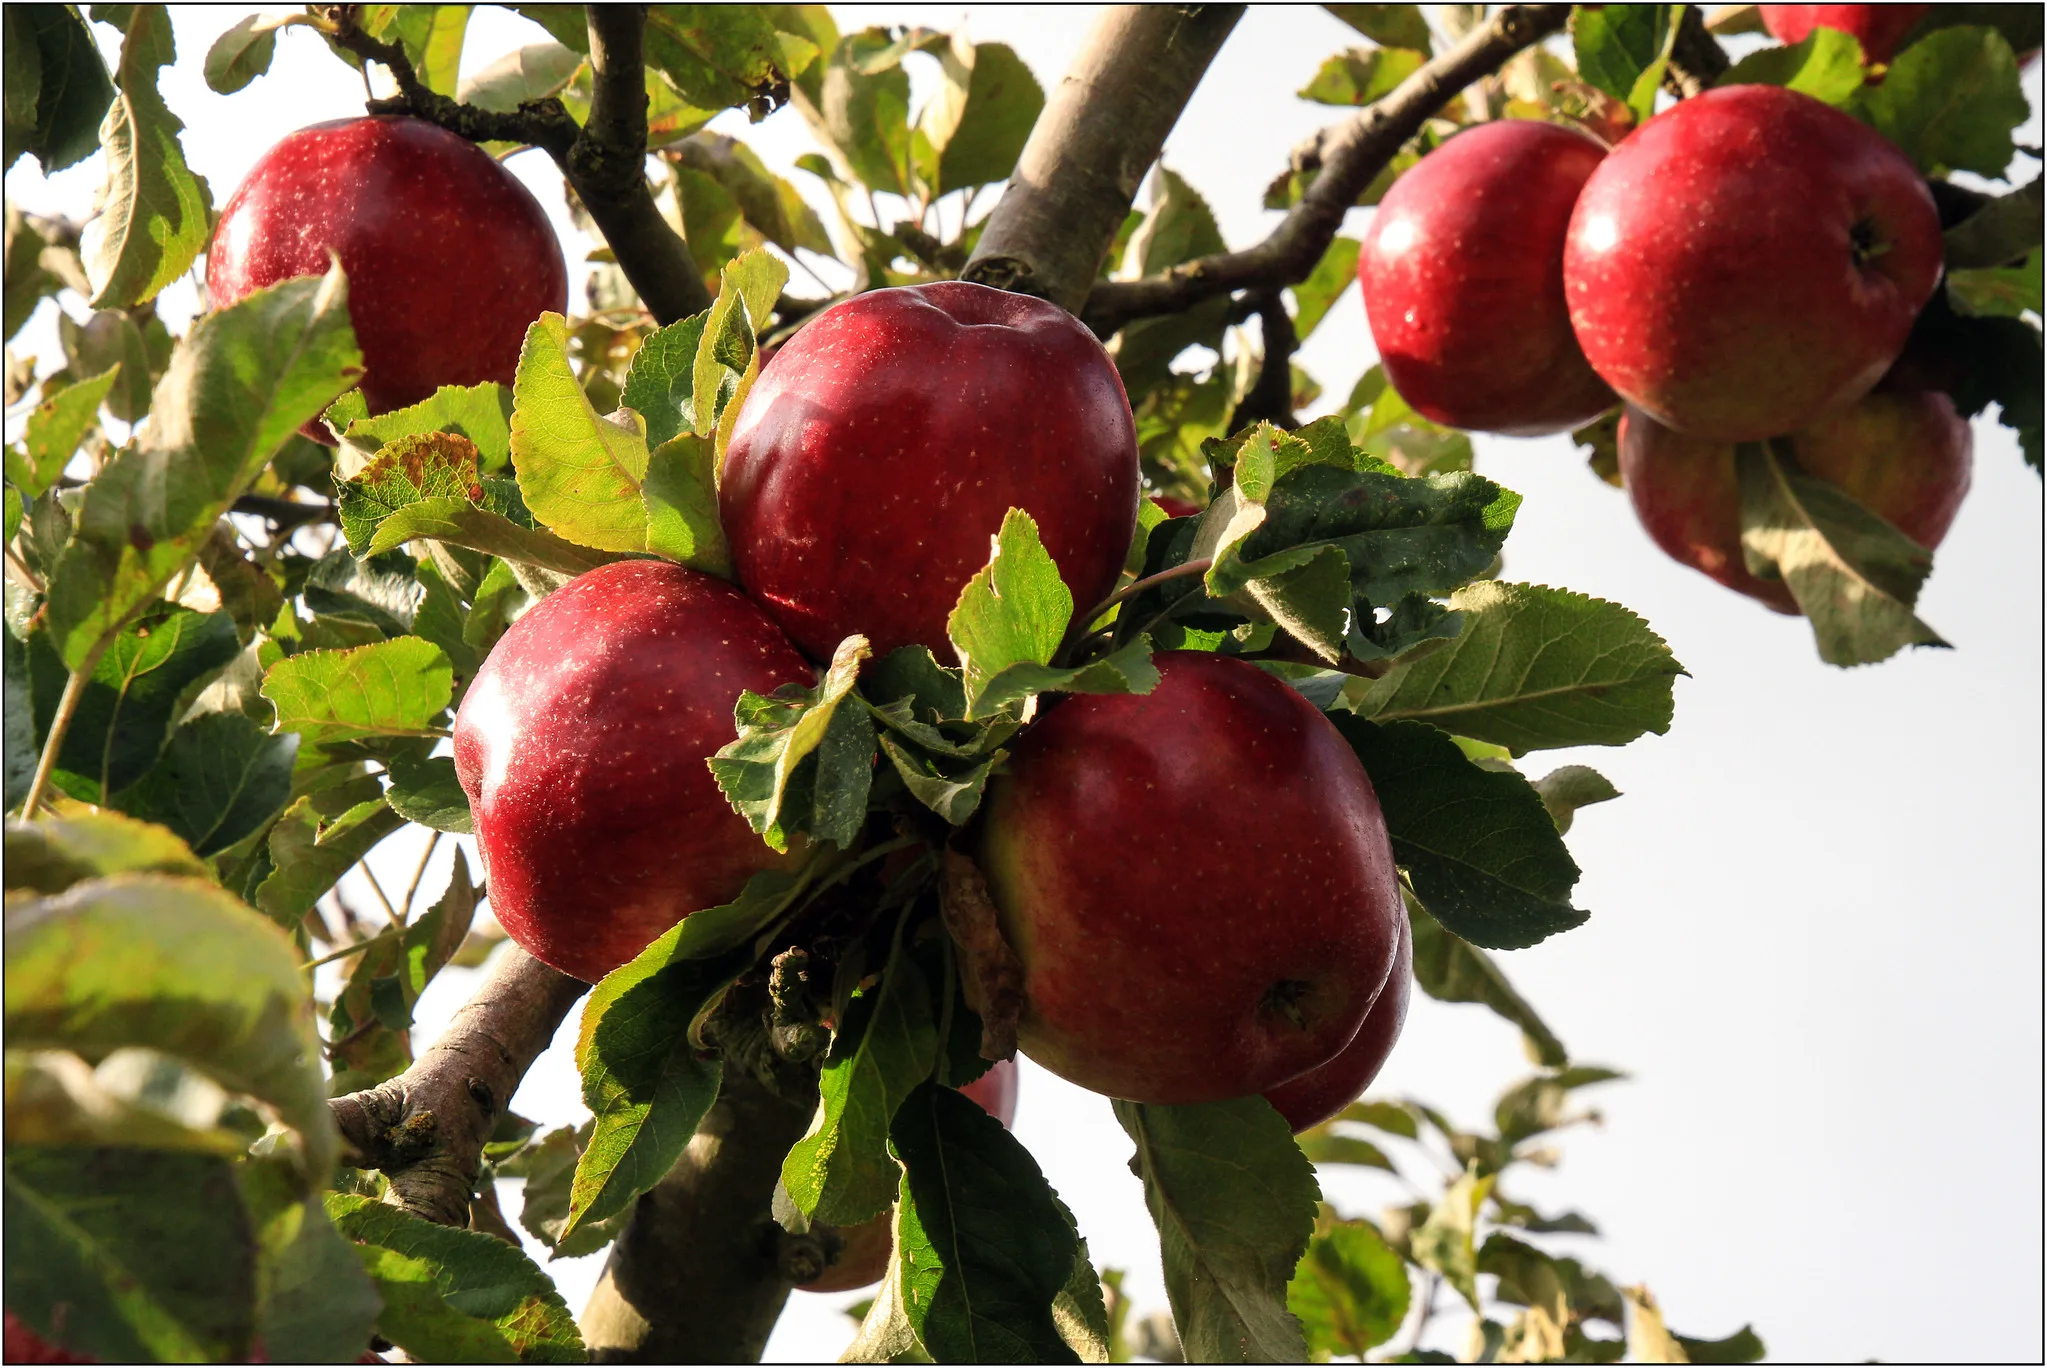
column 1905, row 455
column 1749, row 260
column 1879, row 28
column 864, row 1257
column 1322, row 1092
column 24, row 1345
column 1175, row 506
column 876, row 455
column 449, row 258
column 582, row 746
column 1463, row 281
column 1197, row 882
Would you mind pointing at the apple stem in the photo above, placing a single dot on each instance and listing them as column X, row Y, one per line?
column 1078, row 631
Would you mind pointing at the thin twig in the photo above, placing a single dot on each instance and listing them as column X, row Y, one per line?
column 1078, row 630
column 419, row 873
column 1351, row 156
column 61, row 720
column 378, row 889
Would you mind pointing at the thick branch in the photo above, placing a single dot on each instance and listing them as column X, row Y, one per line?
column 1099, row 133
column 605, row 161
column 1271, row 397
column 426, row 1128
column 700, row 1273
column 1351, row 156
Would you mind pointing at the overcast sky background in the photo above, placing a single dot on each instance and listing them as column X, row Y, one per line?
column 1816, row 931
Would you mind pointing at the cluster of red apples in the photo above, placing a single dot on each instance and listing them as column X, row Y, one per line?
column 1197, row 881
column 1745, row 267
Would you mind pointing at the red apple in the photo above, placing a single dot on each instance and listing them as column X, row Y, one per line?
column 1463, row 280
column 868, row 1245
column 878, row 452
column 1904, row 455
column 1197, row 881
column 1175, row 506
column 1879, row 28
column 449, row 258
column 582, row 745
column 1322, row 1092
column 24, row 1345
column 1749, row 260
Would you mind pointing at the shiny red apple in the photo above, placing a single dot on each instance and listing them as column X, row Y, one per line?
column 1905, row 456
column 1463, row 280
column 864, row 1258
column 581, row 745
column 24, row 1345
column 1327, row 1089
column 1175, row 506
column 449, row 258
column 1197, row 881
column 1749, row 260
column 1879, row 28
column 878, row 452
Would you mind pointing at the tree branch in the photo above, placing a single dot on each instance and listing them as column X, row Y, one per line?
column 426, row 1128
column 1271, row 397
column 605, row 161
column 1696, row 57
column 1351, row 155
column 1099, row 133
column 701, row 1271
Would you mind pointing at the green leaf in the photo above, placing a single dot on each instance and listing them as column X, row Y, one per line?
column 56, row 115
column 1566, row 789
column 2003, row 231
column 727, row 359
column 2007, row 291
column 1350, row 1291
column 887, row 1045
column 549, row 1167
column 951, row 790
column 1453, row 970
column 1541, row 1103
column 316, row 841
column 221, row 779
column 642, row 1079
column 769, row 205
column 1362, row 76
column 54, row 429
column 482, row 413
column 1854, row 575
column 1951, row 101
column 1536, row 668
column 1528, row 1277
column 1387, row 25
column 51, row 854
column 243, row 53
column 1009, row 623
column 317, row 1303
column 1324, row 1146
column 1082, row 1313
column 456, row 1295
column 802, row 762
column 427, row 792
column 110, row 338
column 237, row 389
column 18, row 716
column 383, row 988
column 1178, row 227
column 1826, row 64
column 139, row 686
column 863, row 110
column 180, row 967
column 1444, row 1241
column 155, row 220
column 658, row 382
column 130, row 1255
column 984, row 1247
column 1330, row 278
column 1743, row 1346
column 719, row 56
column 532, row 72
column 1994, row 361
column 1478, row 845
column 391, row 688
column 979, row 118
column 432, row 37
column 1234, row 1202
column 681, row 495
column 1617, row 45
column 580, row 473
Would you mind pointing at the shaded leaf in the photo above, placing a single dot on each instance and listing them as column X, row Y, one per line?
column 1571, row 787
column 1332, row 275
column 57, row 87
column 243, row 52
column 155, row 217
column 1362, row 75
column 1234, row 1201
column 1452, row 970
column 802, row 761
column 54, row 429
column 316, row 841
column 659, row 380
column 978, row 119
column 429, row 793
column 1951, row 101
column 1387, row 25
column 221, row 779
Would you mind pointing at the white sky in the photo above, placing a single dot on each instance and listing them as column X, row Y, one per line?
column 1816, row 931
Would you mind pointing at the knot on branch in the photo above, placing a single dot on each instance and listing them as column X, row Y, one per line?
column 743, row 1028
column 802, row 1258
column 1013, row 274
column 379, row 1130
column 795, row 1030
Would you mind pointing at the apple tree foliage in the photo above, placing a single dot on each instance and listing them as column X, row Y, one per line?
column 232, row 657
